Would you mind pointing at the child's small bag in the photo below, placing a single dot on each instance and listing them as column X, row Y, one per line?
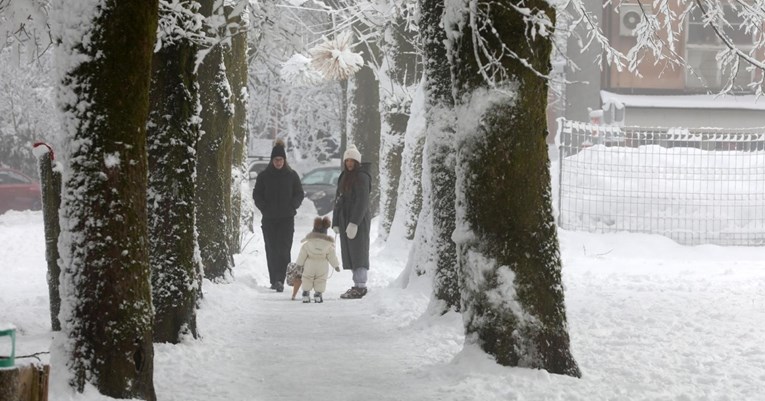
column 294, row 272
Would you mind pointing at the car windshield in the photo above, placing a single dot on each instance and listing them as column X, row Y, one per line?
column 321, row 177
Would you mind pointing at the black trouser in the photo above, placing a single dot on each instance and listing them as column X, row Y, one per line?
column 277, row 234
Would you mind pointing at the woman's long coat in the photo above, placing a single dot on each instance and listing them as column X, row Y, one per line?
column 353, row 207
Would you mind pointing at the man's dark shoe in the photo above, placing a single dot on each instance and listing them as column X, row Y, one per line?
column 279, row 287
column 272, row 287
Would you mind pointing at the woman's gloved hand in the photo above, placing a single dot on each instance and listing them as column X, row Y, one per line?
column 352, row 230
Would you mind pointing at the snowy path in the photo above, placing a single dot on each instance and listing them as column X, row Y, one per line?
column 268, row 347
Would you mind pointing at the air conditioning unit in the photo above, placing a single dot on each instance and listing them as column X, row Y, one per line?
column 630, row 16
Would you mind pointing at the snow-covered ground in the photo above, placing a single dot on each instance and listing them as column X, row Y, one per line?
column 649, row 320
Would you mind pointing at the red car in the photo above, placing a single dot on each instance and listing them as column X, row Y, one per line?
column 18, row 191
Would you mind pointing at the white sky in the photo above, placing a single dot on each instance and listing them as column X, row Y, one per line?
column 649, row 320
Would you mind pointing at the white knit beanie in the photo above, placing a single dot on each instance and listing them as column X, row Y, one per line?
column 352, row 153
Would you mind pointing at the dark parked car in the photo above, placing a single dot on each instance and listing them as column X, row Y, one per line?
column 320, row 186
column 18, row 191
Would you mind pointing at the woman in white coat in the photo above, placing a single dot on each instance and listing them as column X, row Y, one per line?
column 316, row 254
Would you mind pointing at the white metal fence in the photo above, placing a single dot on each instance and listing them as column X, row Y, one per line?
column 696, row 186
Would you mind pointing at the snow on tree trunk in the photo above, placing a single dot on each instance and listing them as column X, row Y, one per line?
column 410, row 196
column 214, row 158
column 397, row 78
column 512, row 295
column 104, row 58
column 172, row 136
column 236, row 68
column 415, row 230
column 439, row 106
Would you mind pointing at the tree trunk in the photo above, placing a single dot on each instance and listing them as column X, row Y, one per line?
column 344, row 114
column 512, row 294
column 50, row 183
column 214, row 153
column 106, row 275
column 364, row 125
column 400, row 69
column 439, row 108
column 172, row 135
column 236, row 69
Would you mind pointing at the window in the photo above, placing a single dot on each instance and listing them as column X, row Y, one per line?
column 702, row 46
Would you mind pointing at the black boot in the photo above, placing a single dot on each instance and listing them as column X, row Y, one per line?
column 306, row 297
column 317, row 297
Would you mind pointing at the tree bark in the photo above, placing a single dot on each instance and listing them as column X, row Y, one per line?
column 508, row 248
column 10, row 380
column 400, row 68
column 106, row 274
column 236, row 70
column 364, row 125
column 439, row 106
column 172, row 135
column 214, row 155
column 50, row 183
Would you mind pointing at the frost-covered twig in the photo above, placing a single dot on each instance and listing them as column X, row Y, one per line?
column 299, row 72
column 715, row 18
column 334, row 58
column 179, row 20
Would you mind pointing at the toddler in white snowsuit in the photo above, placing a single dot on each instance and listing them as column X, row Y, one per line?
column 316, row 254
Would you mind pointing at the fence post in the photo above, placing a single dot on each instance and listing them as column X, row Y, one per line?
column 559, row 141
column 50, row 186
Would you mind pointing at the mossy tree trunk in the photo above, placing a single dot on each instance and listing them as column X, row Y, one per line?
column 508, row 252
column 364, row 123
column 50, row 184
column 172, row 137
column 439, row 109
column 105, row 270
column 214, row 155
column 236, row 69
column 400, row 68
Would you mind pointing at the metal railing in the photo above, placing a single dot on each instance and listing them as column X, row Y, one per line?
column 695, row 186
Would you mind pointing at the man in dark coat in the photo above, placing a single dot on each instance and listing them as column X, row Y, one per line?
column 278, row 194
column 352, row 220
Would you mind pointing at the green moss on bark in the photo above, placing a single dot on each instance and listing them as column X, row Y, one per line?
column 214, row 159
column 172, row 132
column 440, row 138
column 105, row 201
column 508, row 204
